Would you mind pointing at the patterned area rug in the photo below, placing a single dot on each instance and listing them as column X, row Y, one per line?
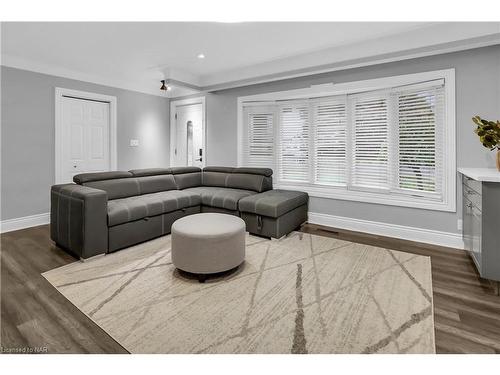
column 300, row 294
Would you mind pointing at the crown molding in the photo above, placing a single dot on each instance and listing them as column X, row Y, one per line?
column 188, row 86
column 362, row 62
column 180, row 88
column 58, row 71
column 181, row 76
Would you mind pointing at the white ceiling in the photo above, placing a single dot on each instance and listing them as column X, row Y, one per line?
column 137, row 55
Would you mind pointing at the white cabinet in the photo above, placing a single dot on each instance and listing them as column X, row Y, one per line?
column 481, row 220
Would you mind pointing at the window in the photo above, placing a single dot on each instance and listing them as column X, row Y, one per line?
column 294, row 143
column 259, row 138
column 330, row 118
column 393, row 144
column 370, row 141
column 420, row 126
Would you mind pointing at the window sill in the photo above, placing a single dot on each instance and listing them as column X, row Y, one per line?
column 370, row 197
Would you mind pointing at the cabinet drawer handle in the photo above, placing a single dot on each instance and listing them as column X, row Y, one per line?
column 469, row 205
column 471, row 192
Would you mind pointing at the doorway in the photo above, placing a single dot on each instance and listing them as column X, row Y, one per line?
column 187, row 133
column 85, row 133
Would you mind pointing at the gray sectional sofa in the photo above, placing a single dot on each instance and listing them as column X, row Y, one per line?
column 107, row 211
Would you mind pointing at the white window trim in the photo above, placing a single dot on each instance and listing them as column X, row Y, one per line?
column 60, row 93
column 449, row 168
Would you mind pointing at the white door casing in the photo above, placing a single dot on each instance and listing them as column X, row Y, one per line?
column 182, row 112
column 85, row 133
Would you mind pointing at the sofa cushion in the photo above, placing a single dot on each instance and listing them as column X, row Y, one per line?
column 100, row 176
column 187, row 180
column 273, row 203
column 219, row 169
column 268, row 172
column 214, row 178
column 256, row 179
column 117, row 188
column 257, row 183
column 183, row 170
column 150, row 171
column 154, row 184
column 138, row 207
column 220, row 197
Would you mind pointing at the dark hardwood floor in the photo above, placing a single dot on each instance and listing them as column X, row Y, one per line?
column 34, row 314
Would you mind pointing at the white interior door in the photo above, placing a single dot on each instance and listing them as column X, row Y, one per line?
column 85, row 137
column 189, row 136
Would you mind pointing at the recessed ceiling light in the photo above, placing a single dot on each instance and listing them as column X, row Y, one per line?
column 201, row 56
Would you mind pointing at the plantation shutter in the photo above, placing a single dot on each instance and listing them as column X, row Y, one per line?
column 294, row 142
column 369, row 149
column 329, row 117
column 258, row 137
column 389, row 142
column 420, row 117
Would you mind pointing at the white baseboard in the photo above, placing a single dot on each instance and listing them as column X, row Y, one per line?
column 453, row 240
column 24, row 222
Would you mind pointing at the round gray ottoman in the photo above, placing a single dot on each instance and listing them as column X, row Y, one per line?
column 208, row 243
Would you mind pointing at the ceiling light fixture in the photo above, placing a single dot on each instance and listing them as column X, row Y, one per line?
column 164, row 86
column 201, row 56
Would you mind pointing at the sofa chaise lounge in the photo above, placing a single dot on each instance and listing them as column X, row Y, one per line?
column 107, row 211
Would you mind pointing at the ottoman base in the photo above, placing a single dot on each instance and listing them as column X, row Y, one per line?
column 202, row 277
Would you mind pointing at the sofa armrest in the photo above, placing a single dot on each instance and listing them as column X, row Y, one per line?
column 78, row 219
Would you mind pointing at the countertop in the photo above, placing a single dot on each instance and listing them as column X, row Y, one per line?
column 481, row 174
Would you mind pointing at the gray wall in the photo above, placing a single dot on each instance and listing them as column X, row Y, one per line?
column 28, row 130
column 477, row 92
column 28, row 135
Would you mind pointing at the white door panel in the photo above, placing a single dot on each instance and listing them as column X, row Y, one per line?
column 76, row 145
column 189, row 136
column 96, row 144
column 181, row 136
column 85, row 137
column 98, row 133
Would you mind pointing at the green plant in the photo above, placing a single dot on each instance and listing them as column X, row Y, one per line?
column 488, row 132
